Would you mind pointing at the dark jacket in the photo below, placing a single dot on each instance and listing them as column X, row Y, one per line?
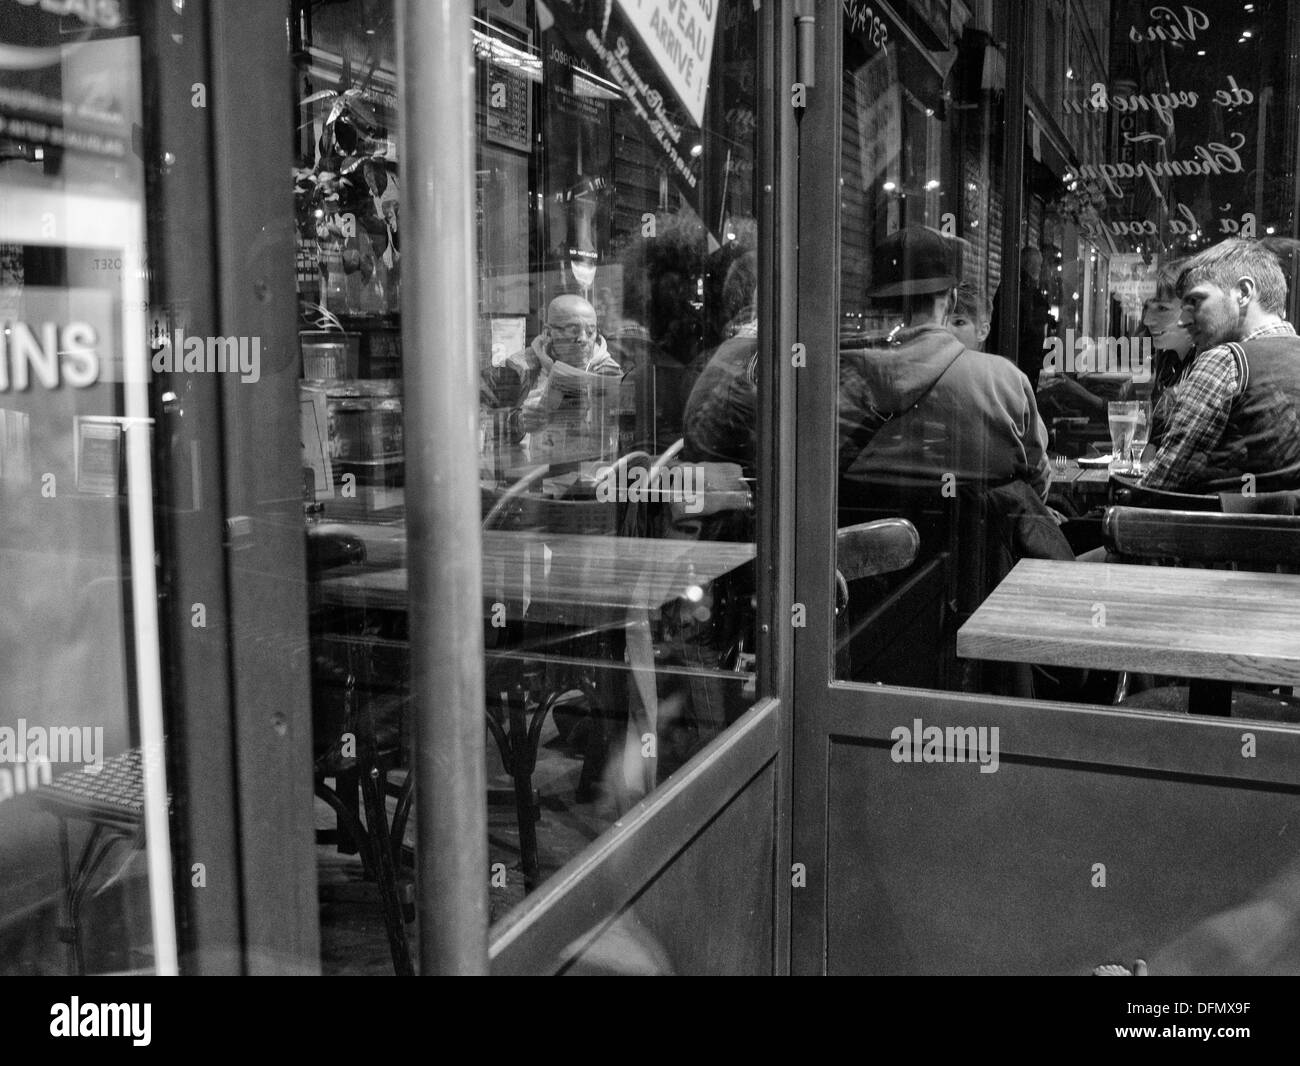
column 1262, row 436
column 721, row 417
column 925, row 406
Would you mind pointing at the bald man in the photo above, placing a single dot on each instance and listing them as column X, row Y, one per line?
column 558, row 372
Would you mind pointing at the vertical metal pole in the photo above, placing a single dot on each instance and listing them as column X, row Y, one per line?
column 1013, row 174
column 442, row 493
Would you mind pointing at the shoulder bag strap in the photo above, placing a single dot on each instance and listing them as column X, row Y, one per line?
column 862, row 434
column 1243, row 366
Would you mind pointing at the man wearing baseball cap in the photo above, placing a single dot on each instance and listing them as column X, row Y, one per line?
column 919, row 403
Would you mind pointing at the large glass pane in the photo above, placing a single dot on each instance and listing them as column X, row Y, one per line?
column 618, row 349
column 619, row 354
column 1004, row 379
column 85, row 878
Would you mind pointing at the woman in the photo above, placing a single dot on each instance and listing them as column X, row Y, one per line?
column 1174, row 351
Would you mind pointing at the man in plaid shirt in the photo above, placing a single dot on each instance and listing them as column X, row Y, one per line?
column 1235, row 418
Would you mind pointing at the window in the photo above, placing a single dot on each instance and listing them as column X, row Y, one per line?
column 998, row 416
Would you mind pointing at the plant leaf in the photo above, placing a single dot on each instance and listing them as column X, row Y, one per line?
column 324, row 94
column 363, row 112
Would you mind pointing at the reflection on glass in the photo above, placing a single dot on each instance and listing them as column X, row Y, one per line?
column 618, row 351
column 1092, row 358
column 618, row 356
column 82, row 784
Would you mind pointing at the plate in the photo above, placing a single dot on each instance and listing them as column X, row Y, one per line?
column 1097, row 460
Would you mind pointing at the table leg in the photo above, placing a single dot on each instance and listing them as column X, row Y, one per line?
column 348, row 786
column 522, row 771
column 1209, row 697
column 67, row 930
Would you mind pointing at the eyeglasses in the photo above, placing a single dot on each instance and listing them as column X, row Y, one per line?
column 572, row 331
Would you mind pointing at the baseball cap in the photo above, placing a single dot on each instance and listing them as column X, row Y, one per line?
column 912, row 261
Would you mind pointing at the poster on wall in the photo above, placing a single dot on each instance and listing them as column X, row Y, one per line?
column 679, row 35
column 666, row 86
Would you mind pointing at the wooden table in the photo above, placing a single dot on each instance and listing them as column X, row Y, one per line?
column 586, row 582
column 1220, row 624
column 1076, row 480
column 601, row 576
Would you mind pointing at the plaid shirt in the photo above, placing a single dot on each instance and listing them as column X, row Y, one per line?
column 1202, row 402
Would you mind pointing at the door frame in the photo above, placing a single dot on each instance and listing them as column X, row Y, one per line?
column 229, row 515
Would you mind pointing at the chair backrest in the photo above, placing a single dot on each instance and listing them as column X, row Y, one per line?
column 1126, row 492
column 1286, row 502
column 494, row 503
column 1198, row 537
column 864, row 550
column 532, row 512
column 668, row 456
column 878, row 547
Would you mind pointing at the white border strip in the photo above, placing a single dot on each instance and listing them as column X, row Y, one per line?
column 50, row 216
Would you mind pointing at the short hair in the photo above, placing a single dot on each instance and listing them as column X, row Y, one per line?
column 1166, row 280
column 740, row 288
column 1225, row 263
column 971, row 303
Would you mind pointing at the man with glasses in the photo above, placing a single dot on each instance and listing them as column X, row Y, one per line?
column 557, row 377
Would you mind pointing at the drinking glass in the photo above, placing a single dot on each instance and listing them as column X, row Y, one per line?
column 1141, row 434
column 1123, row 415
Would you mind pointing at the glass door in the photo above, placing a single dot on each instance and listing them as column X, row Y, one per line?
column 622, row 308
column 1013, row 755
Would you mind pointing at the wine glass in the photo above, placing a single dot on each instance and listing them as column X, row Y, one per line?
column 1141, row 434
column 1122, row 415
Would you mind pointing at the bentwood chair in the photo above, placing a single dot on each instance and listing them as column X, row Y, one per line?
column 526, row 680
column 1128, row 492
column 867, row 550
column 1259, row 542
column 359, row 719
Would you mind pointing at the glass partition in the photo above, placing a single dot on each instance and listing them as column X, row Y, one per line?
column 1145, row 143
column 619, row 348
column 85, row 871
column 618, row 355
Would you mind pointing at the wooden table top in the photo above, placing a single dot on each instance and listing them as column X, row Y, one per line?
column 593, row 574
column 1221, row 624
column 1076, row 478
